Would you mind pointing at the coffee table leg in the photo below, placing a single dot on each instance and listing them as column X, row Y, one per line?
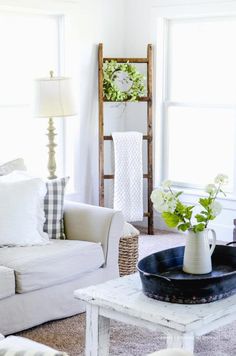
column 97, row 332
column 182, row 341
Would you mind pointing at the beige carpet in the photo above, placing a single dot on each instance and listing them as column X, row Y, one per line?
column 68, row 334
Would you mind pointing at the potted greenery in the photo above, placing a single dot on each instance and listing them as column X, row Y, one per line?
column 197, row 255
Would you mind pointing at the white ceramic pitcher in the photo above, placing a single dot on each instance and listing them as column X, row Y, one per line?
column 197, row 253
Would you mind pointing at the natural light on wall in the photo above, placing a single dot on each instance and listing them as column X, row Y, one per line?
column 200, row 100
column 29, row 49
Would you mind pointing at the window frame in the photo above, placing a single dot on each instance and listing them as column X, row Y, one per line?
column 161, row 15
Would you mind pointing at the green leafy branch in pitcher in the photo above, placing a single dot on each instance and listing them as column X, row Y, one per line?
column 177, row 214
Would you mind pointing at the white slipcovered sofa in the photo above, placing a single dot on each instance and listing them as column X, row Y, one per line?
column 37, row 282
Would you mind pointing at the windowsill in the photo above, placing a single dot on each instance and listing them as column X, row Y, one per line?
column 228, row 202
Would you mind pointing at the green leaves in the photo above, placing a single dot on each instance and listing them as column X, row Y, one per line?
column 183, row 211
column 171, row 219
column 199, row 227
column 178, row 194
column 200, row 218
column 205, row 202
column 188, row 212
column 184, row 227
column 180, row 218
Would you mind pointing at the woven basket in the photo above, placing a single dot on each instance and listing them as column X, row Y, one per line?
column 128, row 254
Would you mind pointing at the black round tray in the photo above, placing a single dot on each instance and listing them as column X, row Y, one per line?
column 163, row 279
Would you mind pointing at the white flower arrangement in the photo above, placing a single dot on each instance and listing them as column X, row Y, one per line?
column 176, row 214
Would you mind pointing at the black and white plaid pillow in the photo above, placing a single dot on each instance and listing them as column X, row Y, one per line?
column 54, row 208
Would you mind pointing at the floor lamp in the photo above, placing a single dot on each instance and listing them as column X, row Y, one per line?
column 53, row 98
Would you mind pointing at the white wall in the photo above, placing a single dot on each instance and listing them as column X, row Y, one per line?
column 91, row 23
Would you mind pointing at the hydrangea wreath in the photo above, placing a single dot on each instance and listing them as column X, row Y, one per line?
column 131, row 79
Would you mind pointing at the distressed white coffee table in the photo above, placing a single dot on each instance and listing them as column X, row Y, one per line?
column 122, row 300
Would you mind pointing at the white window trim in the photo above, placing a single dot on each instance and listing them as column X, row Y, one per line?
column 178, row 10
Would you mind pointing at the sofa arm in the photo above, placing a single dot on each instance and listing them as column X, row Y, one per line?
column 92, row 223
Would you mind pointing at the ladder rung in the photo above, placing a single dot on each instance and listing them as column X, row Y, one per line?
column 111, row 176
column 125, row 60
column 109, row 137
column 142, row 98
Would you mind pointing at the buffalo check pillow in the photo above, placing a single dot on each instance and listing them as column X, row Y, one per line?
column 54, row 208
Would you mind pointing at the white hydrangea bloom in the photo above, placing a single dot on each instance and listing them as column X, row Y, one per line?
column 211, row 189
column 163, row 201
column 216, row 208
column 156, row 195
column 166, row 184
column 221, row 179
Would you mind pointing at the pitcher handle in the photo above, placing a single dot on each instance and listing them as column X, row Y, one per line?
column 213, row 244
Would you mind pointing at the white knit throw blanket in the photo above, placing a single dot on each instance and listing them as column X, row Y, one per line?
column 128, row 183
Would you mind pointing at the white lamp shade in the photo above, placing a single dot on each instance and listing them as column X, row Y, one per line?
column 53, row 97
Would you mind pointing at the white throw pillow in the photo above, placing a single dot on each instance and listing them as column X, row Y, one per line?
column 8, row 167
column 52, row 204
column 21, row 212
column 15, row 176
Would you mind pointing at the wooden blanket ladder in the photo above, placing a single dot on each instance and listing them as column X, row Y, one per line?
column 148, row 136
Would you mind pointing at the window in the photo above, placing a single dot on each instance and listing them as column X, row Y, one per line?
column 29, row 49
column 200, row 101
